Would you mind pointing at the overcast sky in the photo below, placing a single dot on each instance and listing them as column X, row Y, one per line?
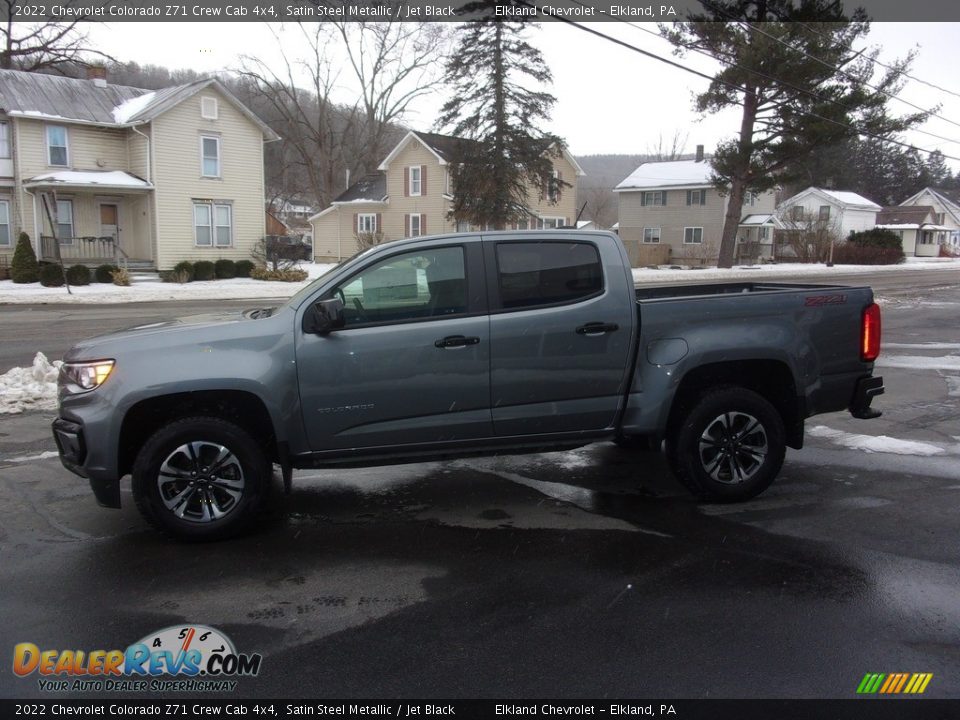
column 609, row 99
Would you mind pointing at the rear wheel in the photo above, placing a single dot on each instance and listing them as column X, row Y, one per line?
column 730, row 446
column 201, row 478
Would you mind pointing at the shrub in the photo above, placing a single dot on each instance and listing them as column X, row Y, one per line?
column 24, row 268
column 51, row 275
column 121, row 277
column 175, row 276
column 78, row 275
column 203, row 270
column 104, row 273
column 870, row 247
column 225, row 269
column 259, row 273
column 184, row 266
column 875, row 237
column 243, row 268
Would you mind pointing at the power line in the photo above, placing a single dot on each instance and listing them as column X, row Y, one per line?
column 634, row 48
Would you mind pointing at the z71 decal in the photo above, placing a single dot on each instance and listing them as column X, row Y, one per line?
column 817, row 300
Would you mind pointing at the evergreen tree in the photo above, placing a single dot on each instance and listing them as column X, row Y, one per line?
column 793, row 68
column 24, row 267
column 505, row 155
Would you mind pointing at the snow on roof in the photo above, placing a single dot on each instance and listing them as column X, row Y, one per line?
column 109, row 178
column 583, row 223
column 669, row 174
column 849, row 198
column 757, row 219
column 126, row 110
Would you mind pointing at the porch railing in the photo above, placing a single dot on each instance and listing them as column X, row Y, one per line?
column 86, row 249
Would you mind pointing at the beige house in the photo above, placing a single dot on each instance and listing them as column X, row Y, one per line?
column 670, row 212
column 410, row 195
column 148, row 178
column 918, row 228
column 946, row 208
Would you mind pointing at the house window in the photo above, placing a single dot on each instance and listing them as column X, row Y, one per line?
column 550, row 223
column 213, row 224
column 692, row 235
column 554, row 189
column 208, row 108
column 65, row 221
column 4, row 140
column 824, row 212
column 696, row 197
column 796, row 212
column 5, row 223
column 210, row 156
column 57, row 145
column 651, row 235
column 749, row 198
column 416, row 187
column 367, row 223
column 763, row 232
column 463, row 226
column 657, row 197
column 416, row 225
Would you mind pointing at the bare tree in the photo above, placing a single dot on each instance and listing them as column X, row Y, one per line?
column 668, row 149
column 601, row 205
column 807, row 236
column 52, row 45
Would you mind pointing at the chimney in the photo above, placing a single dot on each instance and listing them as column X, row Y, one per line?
column 97, row 73
column 699, row 153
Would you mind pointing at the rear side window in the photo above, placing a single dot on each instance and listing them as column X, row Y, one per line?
column 547, row 273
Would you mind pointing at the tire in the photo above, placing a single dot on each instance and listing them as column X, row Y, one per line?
column 721, row 466
column 177, row 493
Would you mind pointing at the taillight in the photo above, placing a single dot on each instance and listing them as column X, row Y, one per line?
column 870, row 333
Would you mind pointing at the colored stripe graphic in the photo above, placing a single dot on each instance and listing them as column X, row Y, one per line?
column 894, row 683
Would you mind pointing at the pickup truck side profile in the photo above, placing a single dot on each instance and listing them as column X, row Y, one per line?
column 458, row 345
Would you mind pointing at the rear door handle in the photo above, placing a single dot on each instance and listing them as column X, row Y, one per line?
column 456, row 341
column 597, row 328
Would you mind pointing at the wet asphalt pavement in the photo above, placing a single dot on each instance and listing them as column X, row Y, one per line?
column 582, row 574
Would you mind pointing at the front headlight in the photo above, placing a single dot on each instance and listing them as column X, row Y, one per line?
column 83, row 377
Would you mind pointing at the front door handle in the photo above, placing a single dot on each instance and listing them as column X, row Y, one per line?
column 456, row 341
column 597, row 328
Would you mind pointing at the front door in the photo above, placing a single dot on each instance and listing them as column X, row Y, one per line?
column 109, row 221
column 412, row 364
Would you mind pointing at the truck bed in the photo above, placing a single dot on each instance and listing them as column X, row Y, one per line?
column 676, row 292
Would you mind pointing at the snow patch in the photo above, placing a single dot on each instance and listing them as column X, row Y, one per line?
column 45, row 455
column 113, row 178
column 875, row 443
column 124, row 111
column 32, row 388
column 923, row 346
column 953, row 386
column 919, row 362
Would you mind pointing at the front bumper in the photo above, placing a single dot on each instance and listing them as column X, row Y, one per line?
column 866, row 389
column 72, row 446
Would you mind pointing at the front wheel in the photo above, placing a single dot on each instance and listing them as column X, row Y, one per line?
column 730, row 446
column 200, row 478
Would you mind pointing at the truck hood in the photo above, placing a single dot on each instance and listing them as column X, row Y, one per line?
column 87, row 349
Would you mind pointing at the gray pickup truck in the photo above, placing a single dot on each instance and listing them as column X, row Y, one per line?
column 466, row 344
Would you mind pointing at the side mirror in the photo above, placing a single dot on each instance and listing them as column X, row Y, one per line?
column 324, row 316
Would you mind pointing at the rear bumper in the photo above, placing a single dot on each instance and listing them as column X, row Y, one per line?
column 867, row 388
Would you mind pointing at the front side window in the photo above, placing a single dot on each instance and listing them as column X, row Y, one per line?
column 764, row 233
column 547, row 273
column 366, row 223
column 692, row 235
column 210, row 152
column 4, row 140
column 416, row 186
column 213, row 224
column 415, row 285
column 651, row 235
column 657, row 197
column 414, row 225
column 550, row 223
column 824, row 212
column 796, row 212
column 5, row 223
column 57, row 145
column 696, row 197
column 65, row 221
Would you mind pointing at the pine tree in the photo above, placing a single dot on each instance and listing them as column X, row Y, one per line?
column 793, row 68
column 504, row 156
column 24, row 267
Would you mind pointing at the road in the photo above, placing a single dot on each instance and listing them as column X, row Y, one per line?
column 580, row 574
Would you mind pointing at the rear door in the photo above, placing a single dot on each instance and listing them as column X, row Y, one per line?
column 561, row 328
column 412, row 365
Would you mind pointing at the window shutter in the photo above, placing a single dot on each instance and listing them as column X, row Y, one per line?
column 406, row 225
column 643, row 199
column 566, row 221
column 559, row 184
column 703, row 197
column 689, row 197
column 423, row 220
column 423, row 179
column 406, row 182
column 356, row 222
column 379, row 226
column 663, row 197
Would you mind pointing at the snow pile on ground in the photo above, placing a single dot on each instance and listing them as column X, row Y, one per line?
column 875, row 444
column 920, row 362
column 32, row 388
column 152, row 290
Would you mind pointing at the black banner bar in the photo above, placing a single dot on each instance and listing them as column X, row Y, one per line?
column 873, row 708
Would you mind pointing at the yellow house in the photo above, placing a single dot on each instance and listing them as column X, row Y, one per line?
column 410, row 195
column 146, row 178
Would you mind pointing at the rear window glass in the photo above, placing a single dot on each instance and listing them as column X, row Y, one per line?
column 547, row 273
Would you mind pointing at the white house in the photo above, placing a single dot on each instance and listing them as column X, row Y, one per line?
column 842, row 211
column 917, row 226
column 946, row 206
